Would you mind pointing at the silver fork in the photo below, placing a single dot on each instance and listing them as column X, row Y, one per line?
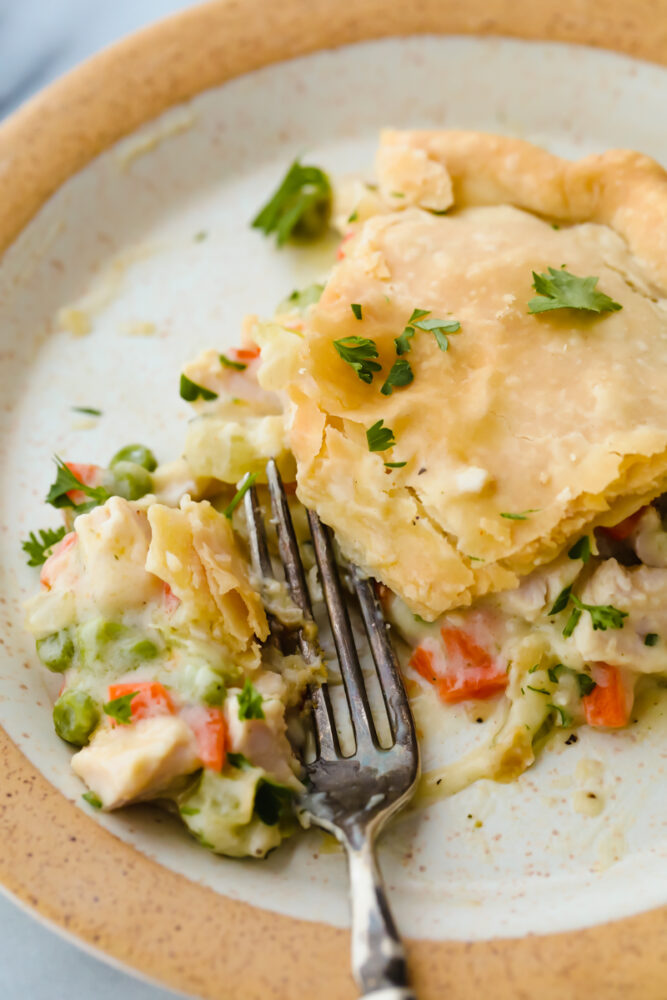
column 353, row 797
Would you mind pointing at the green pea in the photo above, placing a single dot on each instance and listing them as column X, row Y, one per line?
column 56, row 650
column 137, row 453
column 130, row 480
column 75, row 715
column 143, row 650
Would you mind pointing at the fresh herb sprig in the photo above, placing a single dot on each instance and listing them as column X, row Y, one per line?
column 66, row 482
column 120, row 708
column 400, row 374
column 300, row 206
column 39, row 549
column 359, row 352
column 250, row 702
column 559, row 289
column 379, row 437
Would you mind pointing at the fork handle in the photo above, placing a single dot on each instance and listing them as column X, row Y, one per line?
column 378, row 956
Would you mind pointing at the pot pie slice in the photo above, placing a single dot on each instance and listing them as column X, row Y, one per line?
column 519, row 430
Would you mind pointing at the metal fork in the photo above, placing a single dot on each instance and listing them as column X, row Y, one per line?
column 353, row 797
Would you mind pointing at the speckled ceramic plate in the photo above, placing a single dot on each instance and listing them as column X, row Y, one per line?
column 150, row 241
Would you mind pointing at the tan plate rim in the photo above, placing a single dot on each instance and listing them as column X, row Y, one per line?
column 59, row 861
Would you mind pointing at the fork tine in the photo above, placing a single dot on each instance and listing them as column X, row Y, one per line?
column 259, row 549
column 327, row 739
column 355, row 689
column 391, row 681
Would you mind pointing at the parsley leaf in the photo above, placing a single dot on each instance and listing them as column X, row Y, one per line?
column 394, row 465
column 561, row 290
column 65, row 482
column 521, row 516
column 402, row 343
column 572, row 622
column 439, row 327
column 93, row 800
column 356, row 309
column 237, row 366
column 565, row 717
column 586, row 684
column 300, row 206
column 603, row 616
column 581, row 549
column 248, row 480
column 250, row 702
column 299, row 300
column 188, row 811
column 651, row 639
column 538, row 690
column 379, row 437
column 357, row 352
column 401, row 374
column 39, row 550
column 89, row 411
column 190, row 390
column 120, row 709
column 273, row 802
column 238, row 760
column 561, row 601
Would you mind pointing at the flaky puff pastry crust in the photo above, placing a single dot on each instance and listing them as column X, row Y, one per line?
column 560, row 417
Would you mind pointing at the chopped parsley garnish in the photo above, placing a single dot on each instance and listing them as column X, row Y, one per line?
column 191, row 391
column 379, row 437
column 581, row 549
column 249, row 480
column 353, row 216
column 603, row 616
column 93, row 800
column 300, row 206
column 586, row 684
column 356, row 309
column 401, row 374
column 572, row 622
column 237, row 366
column 394, row 465
column 561, row 290
column 65, row 482
column 358, row 352
column 188, row 811
column 649, row 640
column 89, row 411
column 439, row 328
column 538, row 690
column 553, row 672
column 39, row 549
column 402, row 343
column 120, row 708
column 250, row 702
column 273, row 802
column 238, row 760
column 565, row 717
column 300, row 299
column 521, row 516
column 561, row 601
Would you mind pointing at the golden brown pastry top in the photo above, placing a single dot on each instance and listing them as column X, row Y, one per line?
column 562, row 414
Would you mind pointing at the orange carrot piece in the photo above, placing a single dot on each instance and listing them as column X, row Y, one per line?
column 208, row 725
column 607, row 704
column 151, row 698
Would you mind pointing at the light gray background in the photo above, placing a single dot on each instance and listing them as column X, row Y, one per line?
column 39, row 41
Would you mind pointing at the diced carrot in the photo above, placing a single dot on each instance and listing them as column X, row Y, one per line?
column 624, row 528
column 89, row 475
column 461, row 670
column 151, row 699
column 57, row 560
column 340, row 253
column 171, row 602
column 248, row 353
column 208, row 725
column 607, row 704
